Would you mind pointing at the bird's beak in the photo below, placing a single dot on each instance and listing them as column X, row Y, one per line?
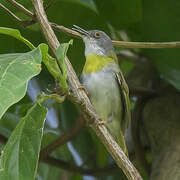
column 81, row 30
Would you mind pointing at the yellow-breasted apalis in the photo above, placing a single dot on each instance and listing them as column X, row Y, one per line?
column 105, row 83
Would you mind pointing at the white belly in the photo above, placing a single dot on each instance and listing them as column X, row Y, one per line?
column 104, row 94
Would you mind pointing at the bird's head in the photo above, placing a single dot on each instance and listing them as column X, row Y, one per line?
column 96, row 42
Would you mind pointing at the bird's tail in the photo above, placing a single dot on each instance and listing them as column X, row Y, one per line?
column 118, row 135
column 122, row 143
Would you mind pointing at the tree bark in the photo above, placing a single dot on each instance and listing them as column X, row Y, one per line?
column 101, row 131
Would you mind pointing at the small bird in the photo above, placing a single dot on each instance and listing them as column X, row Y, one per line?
column 105, row 83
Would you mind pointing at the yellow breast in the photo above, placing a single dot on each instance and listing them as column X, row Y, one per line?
column 95, row 63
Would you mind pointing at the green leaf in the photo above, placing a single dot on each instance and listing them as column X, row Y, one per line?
column 20, row 155
column 47, row 172
column 49, row 136
column 89, row 20
column 16, row 34
column 15, row 71
column 62, row 51
column 61, row 54
column 7, row 123
column 85, row 17
column 47, row 59
column 50, row 63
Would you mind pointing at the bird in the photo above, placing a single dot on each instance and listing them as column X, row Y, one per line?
column 105, row 83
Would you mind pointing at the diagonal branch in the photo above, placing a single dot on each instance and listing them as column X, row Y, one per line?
column 22, row 8
column 150, row 45
column 76, row 169
column 101, row 131
column 72, row 168
column 69, row 135
column 11, row 13
column 49, row 5
column 16, row 18
column 65, row 30
column 153, row 45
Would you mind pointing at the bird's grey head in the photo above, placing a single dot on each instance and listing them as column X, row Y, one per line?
column 96, row 42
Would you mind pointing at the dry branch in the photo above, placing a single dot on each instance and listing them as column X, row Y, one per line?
column 76, row 169
column 150, row 45
column 68, row 136
column 101, row 131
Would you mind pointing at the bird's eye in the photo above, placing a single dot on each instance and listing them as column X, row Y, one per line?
column 97, row 34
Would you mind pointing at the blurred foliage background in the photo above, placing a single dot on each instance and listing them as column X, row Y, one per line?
column 153, row 76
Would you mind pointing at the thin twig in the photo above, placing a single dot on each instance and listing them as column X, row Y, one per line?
column 20, row 21
column 11, row 13
column 150, row 45
column 75, row 169
column 68, row 136
column 49, row 5
column 66, row 30
column 22, row 8
column 72, row 168
column 123, row 43
column 101, row 131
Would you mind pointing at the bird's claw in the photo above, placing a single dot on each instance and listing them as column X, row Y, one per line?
column 81, row 87
column 102, row 121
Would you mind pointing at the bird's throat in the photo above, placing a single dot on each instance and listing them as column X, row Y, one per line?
column 95, row 63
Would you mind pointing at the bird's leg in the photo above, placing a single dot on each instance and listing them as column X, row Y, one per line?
column 102, row 121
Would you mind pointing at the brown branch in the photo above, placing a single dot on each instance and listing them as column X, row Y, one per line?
column 101, row 131
column 11, row 13
column 16, row 18
column 124, row 44
column 68, row 136
column 49, row 5
column 110, row 169
column 75, row 169
column 66, row 30
column 153, row 45
column 72, row 168
column 22, row 8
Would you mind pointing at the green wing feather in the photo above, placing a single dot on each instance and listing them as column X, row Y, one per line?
column 125, row 99
column 124, row 90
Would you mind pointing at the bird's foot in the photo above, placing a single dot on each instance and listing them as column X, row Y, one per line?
column 102, row 121
column 81, row 87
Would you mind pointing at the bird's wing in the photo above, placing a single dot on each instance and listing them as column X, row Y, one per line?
column 124, row 90
column 125, row 100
